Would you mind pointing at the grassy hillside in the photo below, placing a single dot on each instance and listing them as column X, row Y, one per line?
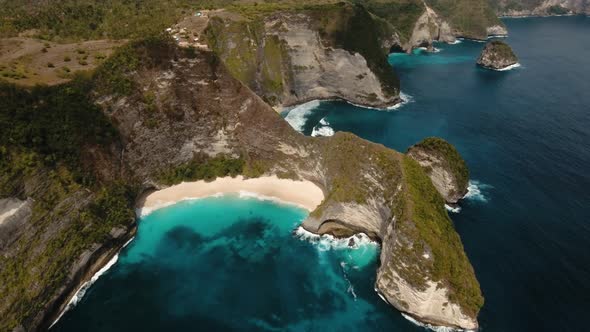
column 469, row 17
column 92, row 19
column 59, row 149
column 427, row 226
column 401, row 14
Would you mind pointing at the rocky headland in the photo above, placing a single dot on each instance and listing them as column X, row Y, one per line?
column 520, row 8
column 497, row 55
column 179, row 116
column 77, row 158
column 445, row 167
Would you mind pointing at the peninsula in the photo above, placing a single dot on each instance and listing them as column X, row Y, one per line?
column 195, row 115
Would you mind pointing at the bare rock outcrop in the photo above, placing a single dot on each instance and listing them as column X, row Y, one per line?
column 294, row 56
column 182, row 105
column 497, row 55
column 444, row 166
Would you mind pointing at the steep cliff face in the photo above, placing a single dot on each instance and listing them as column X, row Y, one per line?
column 497, row 55
column 175, row 110
column 319, row 52
column 516, row 8
column 419, row 23
column 444, row 165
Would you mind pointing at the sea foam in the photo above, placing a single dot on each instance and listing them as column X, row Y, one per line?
column 328, row 242
column 297, row 116
column 431, row 327
column 322, row 129
column 453, row 209
column 85, row 286
column 406, row 99
column 476, row 191
column 514, row 66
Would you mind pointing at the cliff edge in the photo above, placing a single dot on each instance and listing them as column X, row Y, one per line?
column 154, row 115
column 444, row 165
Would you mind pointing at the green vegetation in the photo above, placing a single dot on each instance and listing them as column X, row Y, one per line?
column 557, row 10
column 503, row 49
column 202, row 167
column 111, row 77
column 56, row 123
column 401, row 14
column 44, row 142
column 71, row 20
column 445, row 150
column 38, row 269
column 426, row 224
column 354, row 29
column 345, row 155
column 471, row 17
column 257, row 58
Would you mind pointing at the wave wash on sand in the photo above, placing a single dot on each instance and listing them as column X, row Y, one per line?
column 304, row 194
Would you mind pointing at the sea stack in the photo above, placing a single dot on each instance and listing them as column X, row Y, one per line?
column 497, row 55
column 444, row 165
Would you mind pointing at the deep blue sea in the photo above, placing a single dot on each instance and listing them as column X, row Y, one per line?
column 230, row 263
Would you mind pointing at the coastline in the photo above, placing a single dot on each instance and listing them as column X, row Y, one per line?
column 507, row 68
column 396, row 102
column 304, row 194
column 97, row 263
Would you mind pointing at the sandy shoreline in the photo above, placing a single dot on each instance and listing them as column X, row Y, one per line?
column 301, row 193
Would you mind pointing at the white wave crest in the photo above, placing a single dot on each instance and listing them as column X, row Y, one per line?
column 322, row 132
column 328, row 242
column 381, row 295
column 322, row 129
column 431, row 327
column 475, row 191
column 297, row 116
column 85, row 286
column 455, row 42
column 516, row 65
column 455, row 209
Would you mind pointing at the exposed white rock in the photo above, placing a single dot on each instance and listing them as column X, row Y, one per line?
column 321, row 72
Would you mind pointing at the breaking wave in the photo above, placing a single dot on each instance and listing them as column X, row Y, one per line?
column 328, row 242
column 297, row 116
column 453, row 209
column 431, row 327
column 322, row 129
column 514, row 66
column 476, row 191
column 85, row 286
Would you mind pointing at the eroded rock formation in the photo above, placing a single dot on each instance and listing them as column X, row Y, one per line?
column 497, row 55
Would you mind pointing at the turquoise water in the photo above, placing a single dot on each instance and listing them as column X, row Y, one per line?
column 524, row 134
column 228, row 264
column 231, row 263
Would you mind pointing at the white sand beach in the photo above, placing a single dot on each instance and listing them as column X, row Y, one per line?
column 301, row 193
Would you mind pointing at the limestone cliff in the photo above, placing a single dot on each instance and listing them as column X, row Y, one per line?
column 174, row 110
column 519, row 8
column 419, row 23
column 318, row 52
column 497, row 55
column 444, row 165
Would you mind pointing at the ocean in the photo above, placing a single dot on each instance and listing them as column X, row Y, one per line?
column 234, row 263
